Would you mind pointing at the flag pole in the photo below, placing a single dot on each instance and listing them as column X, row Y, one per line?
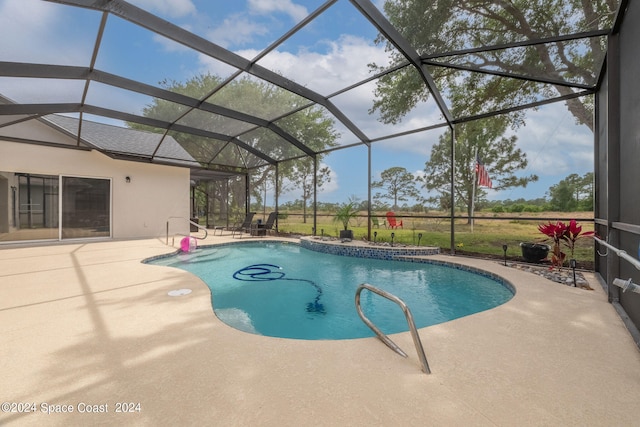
column 475, row 180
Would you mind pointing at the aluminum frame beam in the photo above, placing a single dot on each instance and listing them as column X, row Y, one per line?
column 394, row 37
column 16, row 69
column 144, row 19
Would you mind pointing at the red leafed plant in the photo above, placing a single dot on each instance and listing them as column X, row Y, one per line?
column 566, row 233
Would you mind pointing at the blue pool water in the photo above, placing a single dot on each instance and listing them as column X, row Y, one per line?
column 283, row 290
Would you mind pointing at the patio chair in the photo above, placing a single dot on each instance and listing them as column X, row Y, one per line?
column 261, row 229
column 393, row 223
column 271, row 220
column 217, row 227
column 244, row 226
column 375, row 222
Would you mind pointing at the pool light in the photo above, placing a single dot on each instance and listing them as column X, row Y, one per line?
column 179, row 292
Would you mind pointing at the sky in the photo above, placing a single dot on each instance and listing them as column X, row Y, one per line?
column 330, row 53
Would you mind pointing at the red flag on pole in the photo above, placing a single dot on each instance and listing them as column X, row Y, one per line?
column 483, row 175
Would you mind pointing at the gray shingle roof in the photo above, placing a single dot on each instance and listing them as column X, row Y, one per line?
column 124, row 141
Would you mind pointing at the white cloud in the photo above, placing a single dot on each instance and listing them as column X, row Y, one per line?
column 29, row 90
column 170, row 8
column 236, row 30
column 39, row 32
column 419, row 174
column 333, row 185
column 342, row 62
column 16, row 12
column 213, row 66
column 554, row 144
column 169, row 45
column 296, row 12
column 32, row 31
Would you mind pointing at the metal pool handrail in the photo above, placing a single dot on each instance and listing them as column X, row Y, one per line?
column 624, row 284
column 385, row 339
column 622, row 254
column 195, row 224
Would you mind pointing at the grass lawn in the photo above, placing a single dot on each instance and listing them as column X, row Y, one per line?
column 488, row 235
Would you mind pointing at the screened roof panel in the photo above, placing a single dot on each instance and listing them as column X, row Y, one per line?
column 5, row 120
column 118, row 141
column 416, row 144
column 37, row 91
column 308, row 126
column 271, row 144
column 232, row 24
column 214, row 122
column 201, row 148
column 438, row 27
column 103, row 119
column 136, row 53
column 232, row 155
column 38, row 130
column 47, row 33
column 330, row 53
column 344, row 136
column 269, row 72
column 113, row 138
column 425, row 113
column 500, row 93
column 558, row 61
column 115, row 98
column 256, row 97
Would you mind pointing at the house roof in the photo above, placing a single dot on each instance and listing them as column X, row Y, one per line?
column 118, row 141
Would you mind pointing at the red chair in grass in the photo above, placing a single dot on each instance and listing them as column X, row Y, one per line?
column 391, row 220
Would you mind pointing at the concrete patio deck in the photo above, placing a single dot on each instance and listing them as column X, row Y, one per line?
column 87, row 326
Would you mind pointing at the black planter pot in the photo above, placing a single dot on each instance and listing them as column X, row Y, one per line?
column 534, row 252
column 346, row 234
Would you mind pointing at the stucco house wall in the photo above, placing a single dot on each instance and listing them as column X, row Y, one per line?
column 140, row 208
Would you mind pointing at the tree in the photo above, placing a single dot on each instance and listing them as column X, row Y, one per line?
column 572, row 193
column 301, row 177
column 451, row 25
column 499, row 155
column 399, row 184
column 311, row 126
column 346, row 212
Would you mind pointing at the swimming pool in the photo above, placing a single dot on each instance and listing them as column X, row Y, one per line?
column 283, row 290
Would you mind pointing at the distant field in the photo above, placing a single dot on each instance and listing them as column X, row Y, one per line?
column 489, row 233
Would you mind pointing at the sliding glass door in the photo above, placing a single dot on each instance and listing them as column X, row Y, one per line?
column 85, row 207
column 50, row 207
